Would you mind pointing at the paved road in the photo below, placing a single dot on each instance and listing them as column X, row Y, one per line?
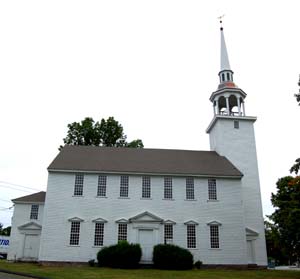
column 12, row 276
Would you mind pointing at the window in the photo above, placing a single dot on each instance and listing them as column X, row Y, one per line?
column 214, row 237
column 101, row 186
column 78, row 189
column 228, row 76
column 191, row 236
column 122, row 232
column 236, row 124
column 223, row 77
column 168, row 188
column 34, row 213
column 168, row 233
column 99, row 234
column 146, row 187
column 75, row 231
column 124, row 186
column 190, row 195
column 212, row 189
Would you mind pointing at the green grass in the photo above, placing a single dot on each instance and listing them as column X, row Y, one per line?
column 106, row 273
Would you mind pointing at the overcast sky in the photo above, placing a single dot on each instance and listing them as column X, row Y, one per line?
column 150, row 64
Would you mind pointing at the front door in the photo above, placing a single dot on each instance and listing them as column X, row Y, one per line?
column 250, row 252
column 31, row 247
column 146, row 240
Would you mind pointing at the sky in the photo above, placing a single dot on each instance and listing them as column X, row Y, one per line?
column 150, row 64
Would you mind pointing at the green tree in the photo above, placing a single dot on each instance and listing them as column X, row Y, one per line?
column 104, row 133
column 295, row 168
column 274, row 249
column 286, row 217
column 298, row 94
column 5, row 231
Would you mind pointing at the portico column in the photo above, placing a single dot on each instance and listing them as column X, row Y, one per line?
column 243, row 105
column 227, row 105
column 239, row 105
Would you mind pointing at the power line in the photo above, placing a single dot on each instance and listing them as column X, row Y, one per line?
column 5, row 200
column 10, row 187
column 18, row 185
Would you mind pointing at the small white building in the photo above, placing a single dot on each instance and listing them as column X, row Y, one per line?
column 26, row 227
column 206, row 201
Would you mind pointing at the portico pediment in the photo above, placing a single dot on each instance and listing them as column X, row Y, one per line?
column 30, row 226
column 146, row 217
column 252, row 233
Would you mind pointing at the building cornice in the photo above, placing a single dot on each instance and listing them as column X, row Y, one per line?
column 147, row 173
column 229, row 90
column 229, row 117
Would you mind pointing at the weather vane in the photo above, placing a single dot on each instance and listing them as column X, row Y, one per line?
column 221, row 20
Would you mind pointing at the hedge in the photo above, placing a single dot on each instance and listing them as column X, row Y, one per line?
column 168, row 256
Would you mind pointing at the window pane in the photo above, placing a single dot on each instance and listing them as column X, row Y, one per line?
column 190, row 188
column 212, row 189
column 168, row 188
column 124, row 183
column 74, row 235
column 168, row 233
column 146, row 187
column 214, row 236
column 78, row 188
column 99, row 234
column 191, row 236
column 34, row 213
column 122, row 232
column 101, row 186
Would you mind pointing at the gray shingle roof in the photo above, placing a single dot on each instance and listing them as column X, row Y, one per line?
column 143, row 161
column 37, row 197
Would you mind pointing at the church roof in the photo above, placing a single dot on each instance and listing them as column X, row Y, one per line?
column 34, row 198
column 143, row 161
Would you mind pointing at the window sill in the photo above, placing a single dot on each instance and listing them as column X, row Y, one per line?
column 124, row 198
column 98, row 246
column 214, row 249
column 212, row 200
column 77, row 196
column 192, row 248
column 101, row 197
column 190, row 200
column 146, row 198
column 168, row 199
column 73, row 245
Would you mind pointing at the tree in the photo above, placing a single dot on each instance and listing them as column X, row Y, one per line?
column 295, row 168
column 274, row 249
column 298, row 95
column 106, row 133
column 5, row 231
column 286, row 217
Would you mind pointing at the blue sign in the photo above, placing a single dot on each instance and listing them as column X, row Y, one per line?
column 4, row 242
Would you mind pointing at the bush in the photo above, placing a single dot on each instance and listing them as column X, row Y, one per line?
column 91, row 262
column 167, row 256
column 121, row 255
column 198, row 264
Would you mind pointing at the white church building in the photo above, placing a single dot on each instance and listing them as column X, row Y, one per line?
column 208, row 202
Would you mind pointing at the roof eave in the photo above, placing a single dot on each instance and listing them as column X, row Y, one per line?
column 148, row 173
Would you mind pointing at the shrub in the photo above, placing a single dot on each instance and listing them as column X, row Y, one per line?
column 91, row 262
column 198, row 264
column 121, row 255
column 167, row 256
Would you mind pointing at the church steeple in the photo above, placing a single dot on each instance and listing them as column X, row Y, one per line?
column 228, row 99
column 225, row 74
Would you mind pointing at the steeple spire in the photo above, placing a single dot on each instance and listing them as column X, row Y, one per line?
column 225, row 74
column 224, row 55
column 228, row 100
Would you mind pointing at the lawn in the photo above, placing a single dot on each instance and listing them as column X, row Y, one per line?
column 106, row 273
